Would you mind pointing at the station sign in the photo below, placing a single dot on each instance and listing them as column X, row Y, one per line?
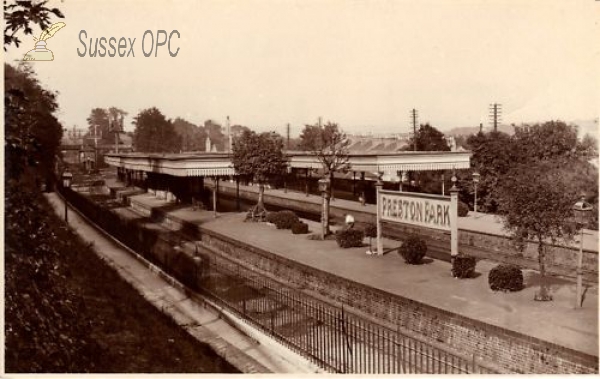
column 430, row 211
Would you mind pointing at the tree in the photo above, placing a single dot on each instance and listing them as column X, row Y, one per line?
column 215, row 133
column 259, row 157
column 103, row 124
column 495, row 153
column 429, row 139
column 536, row 203
column 548, row 140
column 21, row 14
column 32, row 132
column 493, row 156
column 330, row 146
column 193, row 138
column 154, row 133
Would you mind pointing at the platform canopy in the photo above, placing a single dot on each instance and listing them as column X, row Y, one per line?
column 201, row 164
column 392, row 163
column 219, row 164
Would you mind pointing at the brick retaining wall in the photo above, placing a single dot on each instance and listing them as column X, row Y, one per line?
column 508, row 349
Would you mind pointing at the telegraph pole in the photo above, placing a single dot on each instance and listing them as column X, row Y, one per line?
column 288, row 136
column 414, row 117
column 495, row 115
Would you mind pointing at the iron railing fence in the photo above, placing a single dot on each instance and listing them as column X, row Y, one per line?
column 331, row 336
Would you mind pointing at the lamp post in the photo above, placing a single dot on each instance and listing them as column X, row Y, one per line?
column 67, row 177
column 475, row 182
column 453, row 220
column 581, row 209
column 324, row 188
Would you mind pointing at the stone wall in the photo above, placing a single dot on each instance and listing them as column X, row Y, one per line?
column 560, row 260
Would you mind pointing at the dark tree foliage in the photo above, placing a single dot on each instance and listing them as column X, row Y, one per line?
column 492, row 158
column 429, row 139
column 154, row 133
column 536, row 202
column 32, row 132
column 495, row 153
column 216, row 135
column 259, row 157
column 193, row 138
column 22, row 15
column 103, row 124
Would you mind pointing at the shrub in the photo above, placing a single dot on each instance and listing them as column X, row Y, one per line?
column 285, row 219
column 371, row 232
column 300, row 228
column 463, row 266
column 272, row 217
column 506, row 278
column 349, row 238
column 463, row 209
column 413, row 250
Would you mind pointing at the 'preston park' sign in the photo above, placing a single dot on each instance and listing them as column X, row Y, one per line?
column 428, row 211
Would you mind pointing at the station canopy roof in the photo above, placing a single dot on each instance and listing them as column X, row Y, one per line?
column 219, row 164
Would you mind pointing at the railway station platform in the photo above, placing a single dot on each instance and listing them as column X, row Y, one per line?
column 557, row 321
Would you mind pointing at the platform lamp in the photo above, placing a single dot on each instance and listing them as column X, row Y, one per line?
column 581, row 210
column 453, row 219
column 475, row 183
column 67, row 178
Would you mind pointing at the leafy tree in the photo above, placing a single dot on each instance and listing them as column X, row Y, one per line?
column 259, row 157
column 536, row 203
column 104, row 123
column 429, row 139
column 330, row 146
column 588, row 147
column 20, row 15
column 32, row 132
column 548, row 140
column 154, row 133
column 193, row 138
column 493, row 156
column 495, row 153
column 215, row 133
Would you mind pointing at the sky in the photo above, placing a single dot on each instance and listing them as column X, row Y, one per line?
column 362, row 64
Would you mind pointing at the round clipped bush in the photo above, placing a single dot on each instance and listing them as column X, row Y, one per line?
column 349, row 238
column 506, row 278
column 272, row 217
column 463, row 209
column 300, row 228
column 285, row 219
column 413, row 250
column 463, row 266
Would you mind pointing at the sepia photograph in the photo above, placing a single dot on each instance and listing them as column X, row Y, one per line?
column 301, row 187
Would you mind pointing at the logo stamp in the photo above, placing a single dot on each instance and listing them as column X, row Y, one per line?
column 41, row 53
